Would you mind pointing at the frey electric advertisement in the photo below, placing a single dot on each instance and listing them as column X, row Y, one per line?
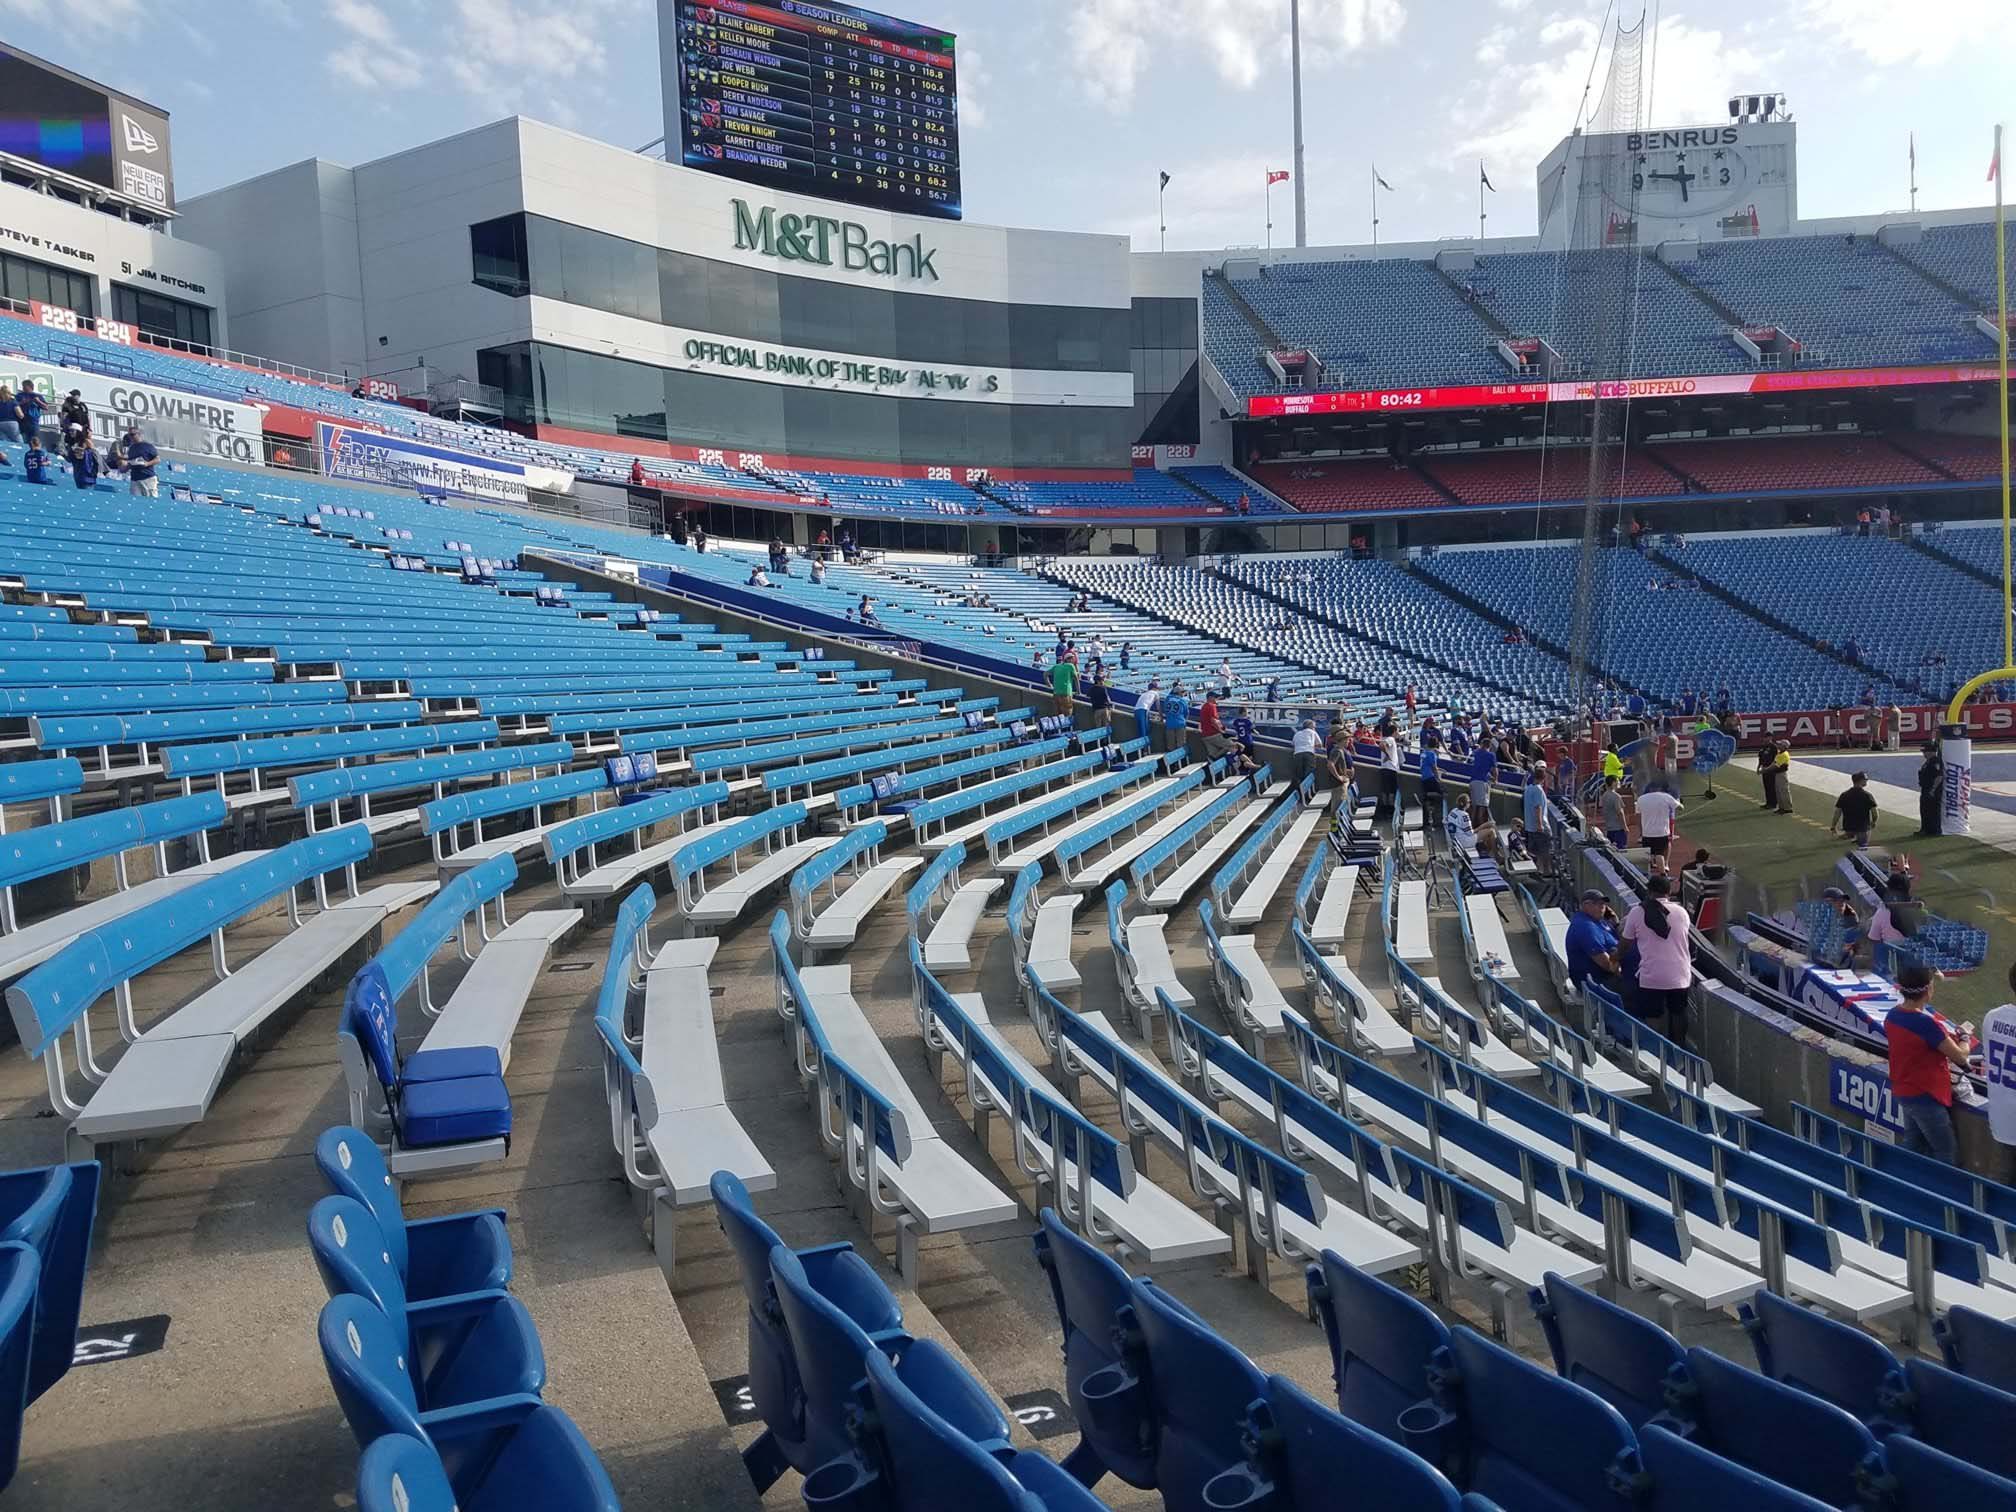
column 367, row 456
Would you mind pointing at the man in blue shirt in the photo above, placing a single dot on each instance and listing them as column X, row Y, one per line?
column 1533, row 813
column 1592, row 939
column 36, row 464
column 141, row 461
column 1431, row 779
column 1175, row 717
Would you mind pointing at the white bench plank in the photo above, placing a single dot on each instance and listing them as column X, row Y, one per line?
column 840, row 921
column 1110, row 865
column 1260, row 1002
column 692, row 1133
column 35, row 943
column 1410, row 923
column 977, row 828
column 946, row 948
column 1171, row 889
column 1375, row 1029
column 1049, row 953
column 1153, row 967
column 489, row 1000
column 1333, row 912
column 1487, row 935
column 1042, row 847
column 725, row 900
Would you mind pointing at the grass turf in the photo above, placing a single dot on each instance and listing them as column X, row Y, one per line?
column 1782, row 858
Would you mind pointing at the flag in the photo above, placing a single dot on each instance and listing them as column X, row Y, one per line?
column 1276, row 176
column 1165, row 179
column 1485, row 178
column 1379, row 181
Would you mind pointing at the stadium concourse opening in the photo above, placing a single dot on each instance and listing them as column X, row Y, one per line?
column 792, row 851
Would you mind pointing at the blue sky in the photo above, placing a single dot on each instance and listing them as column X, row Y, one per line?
column 1071, row 107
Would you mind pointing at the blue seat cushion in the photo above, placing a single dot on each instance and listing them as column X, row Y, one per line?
column 454, row 1112
column 450, row 1065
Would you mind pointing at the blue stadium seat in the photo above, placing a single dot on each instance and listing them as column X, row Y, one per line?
column 436, row 1097
column 932, row 1439
column 829, row 1350
column 1529, row 1440
column 20, row 1275
column 435, row 1257
column 1979, row 1347
column 1960, row 1417
column 52, row 1210
column 1102, row 1361
column 1779, row 1431
column 1683, row 1477
column 1630, row 1362
column 1201, row 1387
column 1926, row 1480
column 456, row 1350
column 1301, row 1454
column 847, row 1282
column 543, row 1462
column 1381, row 1341
column 1809, row 1350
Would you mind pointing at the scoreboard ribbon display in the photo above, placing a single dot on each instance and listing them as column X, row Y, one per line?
column 825, row 100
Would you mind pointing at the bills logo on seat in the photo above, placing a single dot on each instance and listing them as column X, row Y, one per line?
column 138, row 137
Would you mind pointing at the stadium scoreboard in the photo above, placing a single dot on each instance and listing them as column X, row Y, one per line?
column 826, row 100
column 64, row 122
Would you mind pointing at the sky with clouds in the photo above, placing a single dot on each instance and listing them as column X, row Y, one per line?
column 1070, row 108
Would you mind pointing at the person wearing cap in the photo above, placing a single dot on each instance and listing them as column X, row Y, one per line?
column 1921, row 1050
column 1533, row 813
column 74, row 412
column 1591, row 941
column 141, row 461
column 1144, row 710
column 1931, row 792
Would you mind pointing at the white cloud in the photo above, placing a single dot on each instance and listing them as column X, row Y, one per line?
column 1516, row 116
column 375, row 58
column 975, row 80
column 1112, row 42
column 1890, row 33
column 106, row 16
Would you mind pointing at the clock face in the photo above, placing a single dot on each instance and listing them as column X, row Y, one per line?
column 1688, row 183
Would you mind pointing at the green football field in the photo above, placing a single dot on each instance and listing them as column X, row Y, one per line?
column 1782, row 858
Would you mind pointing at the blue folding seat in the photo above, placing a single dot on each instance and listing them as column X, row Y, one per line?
column 1629, row 1361
column 543, row 1462
column 1978, row 1346
column 435, row 1257
column 1781, row 1432
column 436, row 1097
column 846, row 1281
column 1803, row 1348
column 1683, row 1477
column 461, row 1348
column 932, row 1439
column 1381, row 1340
column 1962, row 1417
column 1102, row 1361
column 1924, row 1479
column 1201, row 1387
column 1300, row 1454
column 1528, row 1439
column 369, row 1370
column 52, row 1210
column 20, row 1274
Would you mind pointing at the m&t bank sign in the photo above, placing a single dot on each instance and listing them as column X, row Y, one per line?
column 830, row 243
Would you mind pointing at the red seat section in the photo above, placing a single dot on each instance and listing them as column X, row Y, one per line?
column 1779, row 464
column 1341, row 487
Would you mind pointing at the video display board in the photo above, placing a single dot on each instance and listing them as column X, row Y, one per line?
column 54, row 118
column 828, row 100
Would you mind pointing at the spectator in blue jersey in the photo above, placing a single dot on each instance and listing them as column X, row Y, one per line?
column 1273, row 690
column 1126, row 656
column 1431, row 779
column 35, row 464
column 1689, row 704
column 1634, row 706
column 1460, row 743
column 1175, row 718
column 10, row 415
column 28, row 404
column 141, row 461
column 1591, row 941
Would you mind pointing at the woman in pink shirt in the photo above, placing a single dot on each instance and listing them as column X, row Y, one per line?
column 1658, row 927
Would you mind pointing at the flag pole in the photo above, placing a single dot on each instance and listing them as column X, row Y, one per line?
column 1270, row 210
column 1480, row 200
column 1375, row 204
column 1914, row 173
column 1162, row 209
column 2002, row 340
